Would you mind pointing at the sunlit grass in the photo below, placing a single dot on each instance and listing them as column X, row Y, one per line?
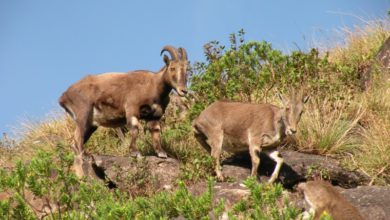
column 328, row 130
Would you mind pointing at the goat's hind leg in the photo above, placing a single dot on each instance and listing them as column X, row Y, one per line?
column 84, row 130
column 133, row 125
column 215, row 142
column 211, row 140
column 254, row 152
column 201, row 138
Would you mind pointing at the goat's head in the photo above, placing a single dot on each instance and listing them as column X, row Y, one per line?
column 293, row 110
column 176, row 69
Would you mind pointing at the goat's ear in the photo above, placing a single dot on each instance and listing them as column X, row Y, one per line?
column 280, row 96
column 305, row 99
column 166, row 60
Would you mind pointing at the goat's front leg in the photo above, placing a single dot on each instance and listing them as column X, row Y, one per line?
column 279, row 162
column 120, row 134
column 133, row 124
column 155, row 129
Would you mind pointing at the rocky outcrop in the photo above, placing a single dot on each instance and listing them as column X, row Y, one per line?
column 133, row 174
column 231, row 193
column 373, row 202
column 297, row 167
column 124, row 172
column 151, row 174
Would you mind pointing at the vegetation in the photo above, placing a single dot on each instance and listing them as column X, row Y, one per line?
column 70, row 198
column 341, row 120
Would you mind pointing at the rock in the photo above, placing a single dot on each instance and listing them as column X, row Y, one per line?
column 383, row 55
column 382, row 58
column 230, row 192
column 132, row 174
column 297, row 167
column 373, row 202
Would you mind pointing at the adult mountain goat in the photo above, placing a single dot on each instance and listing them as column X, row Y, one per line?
column 237, row 127
column 122, row 99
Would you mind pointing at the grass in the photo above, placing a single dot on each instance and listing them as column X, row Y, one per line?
column 359, row 43
column 327, row 129
column 372, row 155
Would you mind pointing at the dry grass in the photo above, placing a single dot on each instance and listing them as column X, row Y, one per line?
column 35, row 135
column 372, row 155
column 328, row 130
column 360, row 42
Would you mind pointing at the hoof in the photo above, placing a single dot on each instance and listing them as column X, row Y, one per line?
column 136, row 154
column 220, row 178
column 78, row 166
column 272, row 180
column 162, row 154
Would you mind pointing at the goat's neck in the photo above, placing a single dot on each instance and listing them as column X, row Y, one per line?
column 163, row 84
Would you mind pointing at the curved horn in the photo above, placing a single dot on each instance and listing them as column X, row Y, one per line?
column 183, row 53
column 171, row 50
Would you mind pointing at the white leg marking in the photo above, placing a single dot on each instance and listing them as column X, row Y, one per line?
column 279, row 161
column 134, row 121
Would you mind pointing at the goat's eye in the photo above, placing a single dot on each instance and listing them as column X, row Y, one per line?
column 173, row 68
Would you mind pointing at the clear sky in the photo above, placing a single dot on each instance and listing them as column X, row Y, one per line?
column 45, row 46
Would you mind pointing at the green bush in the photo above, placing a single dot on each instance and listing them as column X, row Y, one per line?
column 265, row 202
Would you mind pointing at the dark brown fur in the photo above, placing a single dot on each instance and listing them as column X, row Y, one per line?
column 119, row 99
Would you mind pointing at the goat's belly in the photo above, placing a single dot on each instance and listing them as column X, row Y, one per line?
column 108, row 118
column 234, row 145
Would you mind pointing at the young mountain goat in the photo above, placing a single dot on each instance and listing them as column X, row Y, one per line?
column 235, row 127
column 122, row 99
column 322, row 197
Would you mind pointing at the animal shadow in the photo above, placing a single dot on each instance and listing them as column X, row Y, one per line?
column 288, row 177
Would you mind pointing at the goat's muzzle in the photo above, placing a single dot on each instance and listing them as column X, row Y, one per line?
column 181, row 91
column 291, row 131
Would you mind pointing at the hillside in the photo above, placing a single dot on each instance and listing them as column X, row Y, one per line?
column 347, row 119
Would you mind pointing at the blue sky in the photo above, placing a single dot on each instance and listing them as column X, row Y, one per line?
column 45, row 46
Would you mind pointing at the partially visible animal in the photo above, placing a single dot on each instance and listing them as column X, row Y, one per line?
column 236, row 127
column 322, row 197
column 178, row 105
column 122, row 99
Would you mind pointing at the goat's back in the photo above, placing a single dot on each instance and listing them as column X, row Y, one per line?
column 112, row 86
column 236, row 118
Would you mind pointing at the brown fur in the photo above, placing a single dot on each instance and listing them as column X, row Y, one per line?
column 235, row 127
column 119, row 99
column 322, row 196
